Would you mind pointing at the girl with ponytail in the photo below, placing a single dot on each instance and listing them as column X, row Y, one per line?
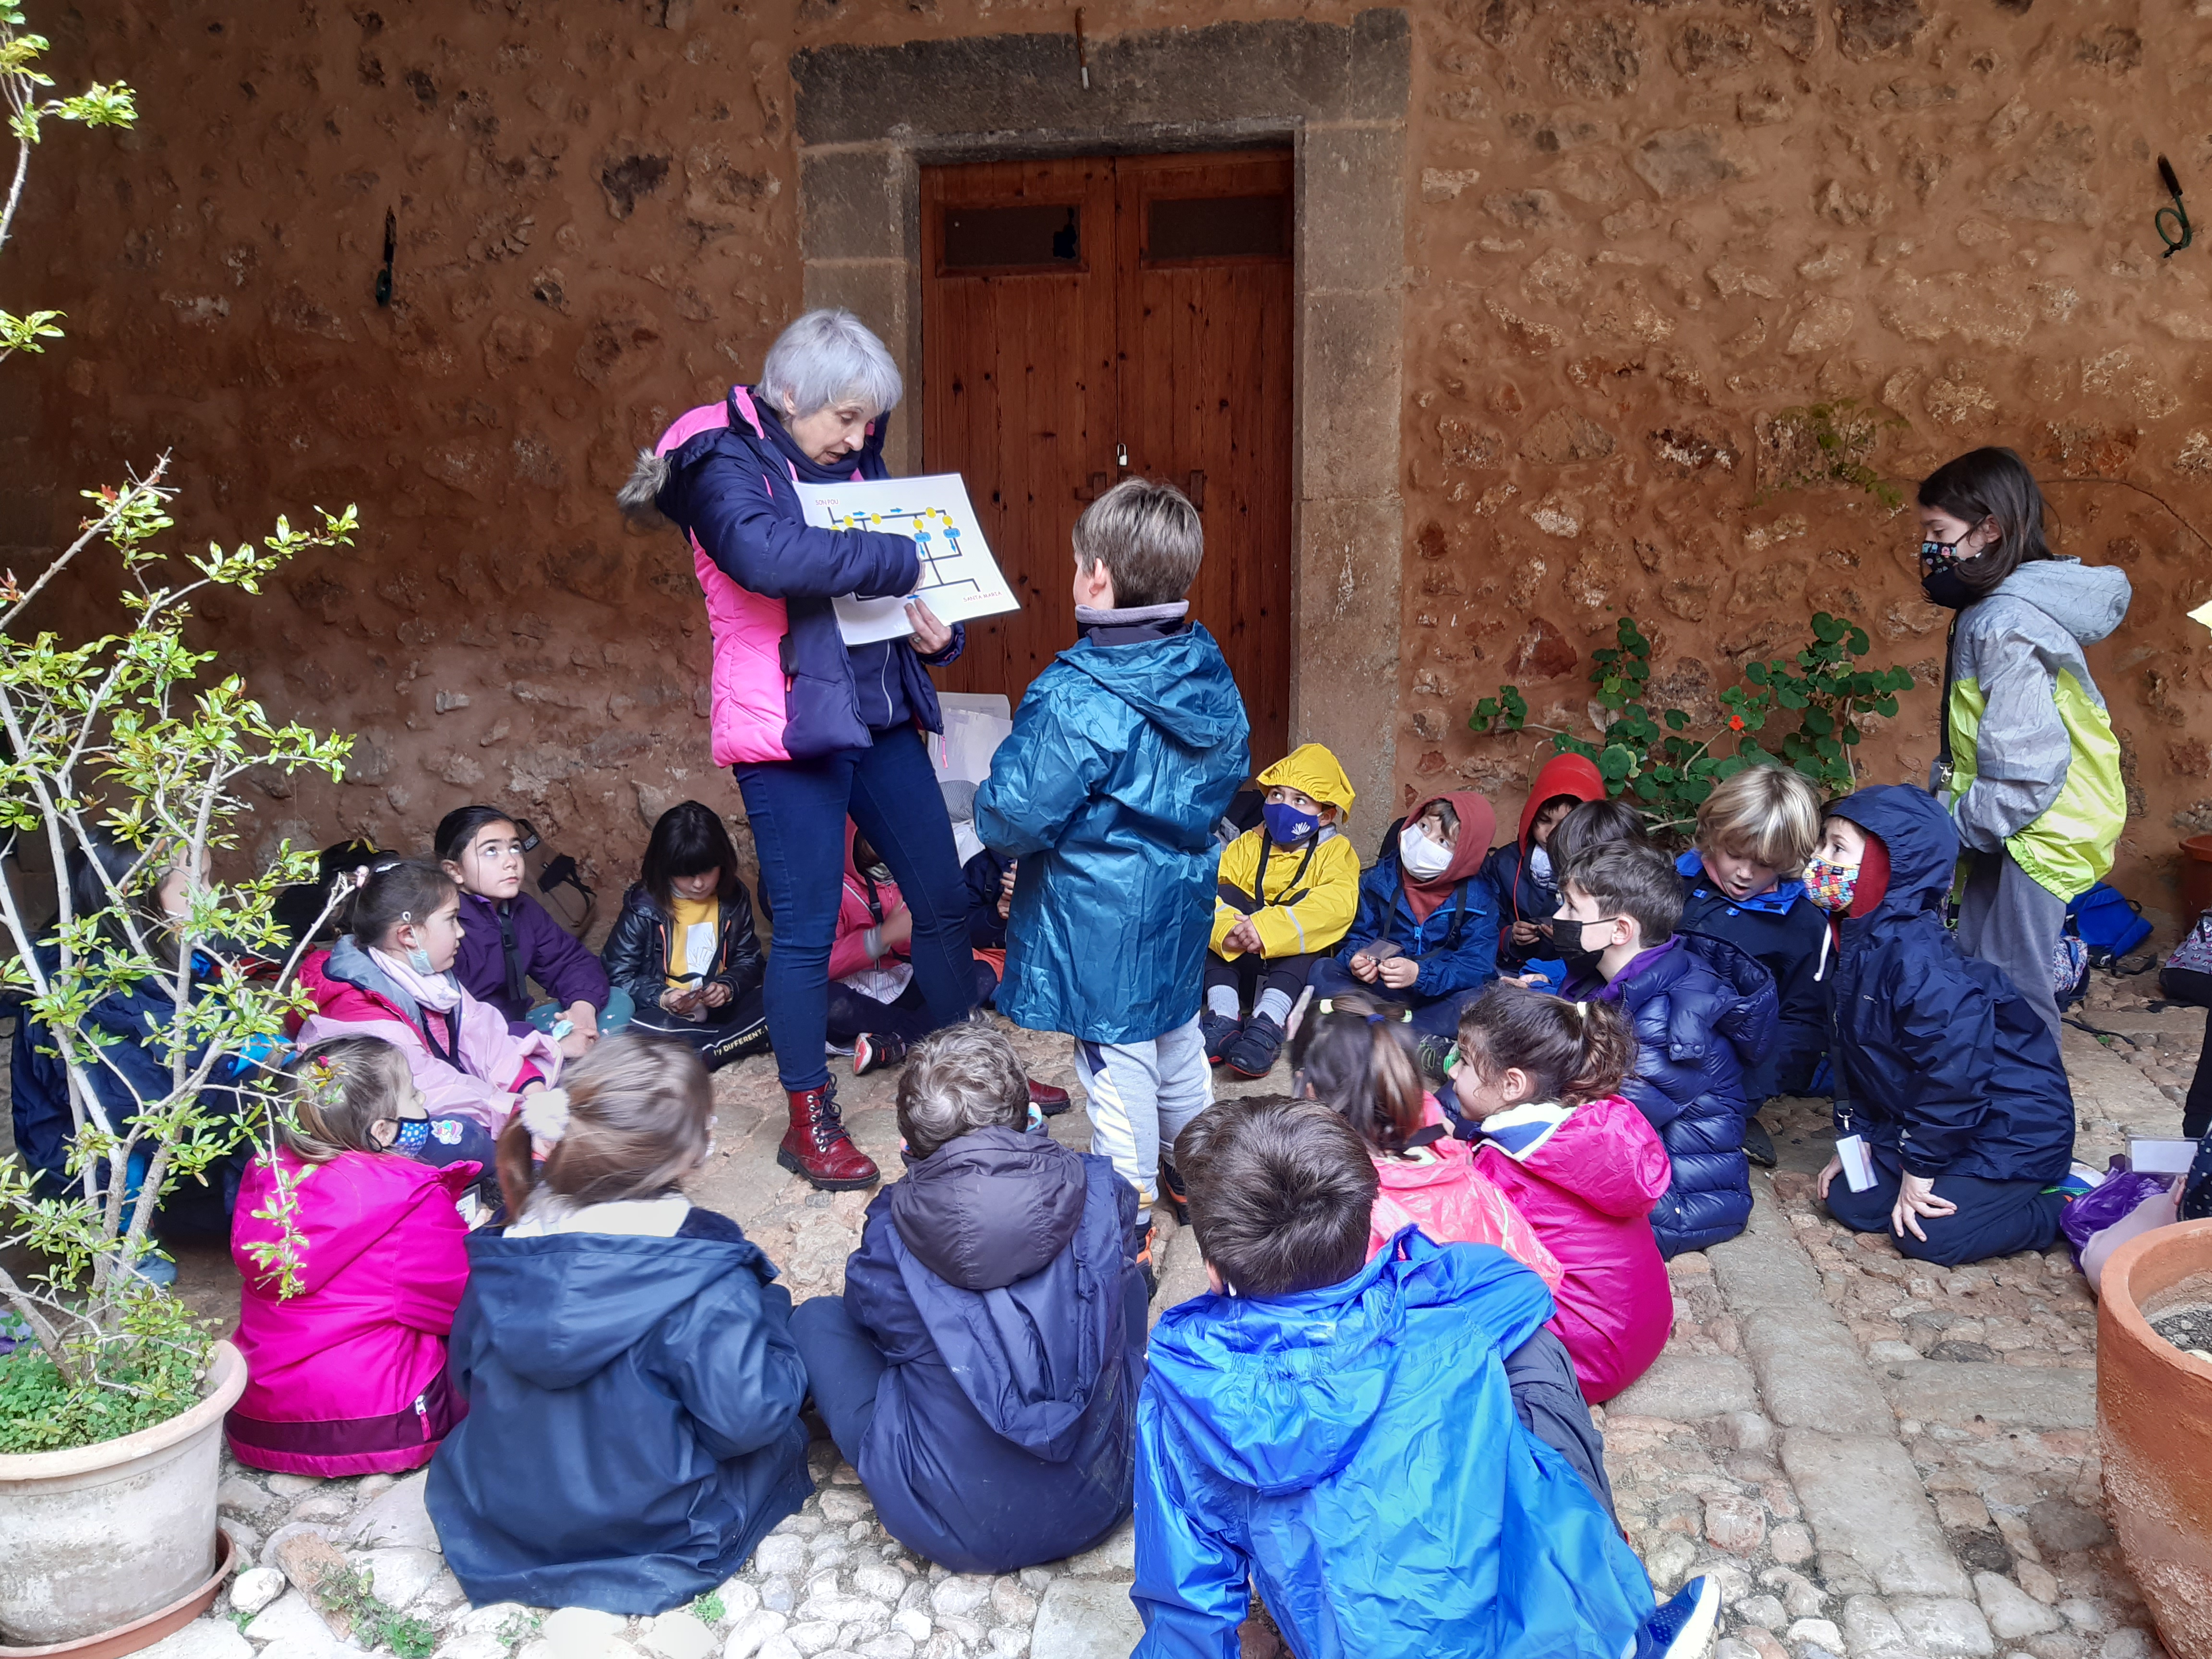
column 1538, row 1078
column 1355, row 1056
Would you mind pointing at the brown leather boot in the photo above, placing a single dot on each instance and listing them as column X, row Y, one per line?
column 817, row 1147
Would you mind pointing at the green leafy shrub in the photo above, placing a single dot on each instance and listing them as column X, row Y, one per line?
column 1805, row 707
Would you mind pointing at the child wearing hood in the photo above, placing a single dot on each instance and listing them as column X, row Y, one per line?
column 1125, row 753
column 1524, row 874
column 1425, row 938
column 981, row 1369
column 1740, row 883
column 1337, row 1433
column 2030, row 770
column 1954, row 1119
column 1288, row 891
column 633, row 1390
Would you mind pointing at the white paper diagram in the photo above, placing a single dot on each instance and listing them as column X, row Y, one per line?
column 960, row 579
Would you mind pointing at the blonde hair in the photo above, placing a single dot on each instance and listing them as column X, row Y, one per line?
column 336, row 1092
column 1768, row 814
column 640, row 1113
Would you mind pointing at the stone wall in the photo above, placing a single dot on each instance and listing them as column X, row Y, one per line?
column 1638, row 235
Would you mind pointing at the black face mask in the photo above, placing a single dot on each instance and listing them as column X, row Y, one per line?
column 1946, row 587
column 1581, row 963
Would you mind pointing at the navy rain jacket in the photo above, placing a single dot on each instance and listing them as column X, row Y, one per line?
column 1705, row 1015
column 1456, row 946
column 633, row 1427
column 1939, row 1062
column 994, row 1279
column 1788, row 934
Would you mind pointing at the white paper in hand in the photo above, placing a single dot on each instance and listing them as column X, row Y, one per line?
column 960, row 579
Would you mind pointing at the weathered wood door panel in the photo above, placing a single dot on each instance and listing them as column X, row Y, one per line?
column 1086, row 319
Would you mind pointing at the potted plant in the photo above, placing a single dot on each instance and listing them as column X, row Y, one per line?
column 152, row 1005
column 2154, row 1422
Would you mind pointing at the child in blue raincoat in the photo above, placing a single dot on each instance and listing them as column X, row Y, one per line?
column 1125, row 753
column 1339, row 1434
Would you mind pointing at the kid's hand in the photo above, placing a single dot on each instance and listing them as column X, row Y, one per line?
column 930, row 636
column 715, row 994
column 1528, row 980
column 1363, row 968
column 1829, row 1171
column 1527, row 932
column 1916, row 1197
column 1400, row 972
column 897, row 931
column 1243, row 937
column 576, row 1044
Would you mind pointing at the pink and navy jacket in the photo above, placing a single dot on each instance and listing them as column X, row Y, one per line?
column 1437, row 1189
column 865, row 903
column 783, row 686
column 348, row 1377
column 465, row 1061
column 1585, row 1178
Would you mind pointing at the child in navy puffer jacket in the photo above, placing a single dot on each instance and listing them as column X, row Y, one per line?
column 1703, row 1013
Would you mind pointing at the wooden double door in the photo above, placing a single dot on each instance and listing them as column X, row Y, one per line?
column 1089, row 319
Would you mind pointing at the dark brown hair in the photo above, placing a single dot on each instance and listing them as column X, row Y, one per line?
column 1630, row 878
column 405, row 889
column 640, row 1111
column 1357, row 1059
column 1148, row 537
column 1281, row 1192
column 688, row 839
column 1592, row 824
column 335, row 1091
column 1990, row 483
column 1571, row 1052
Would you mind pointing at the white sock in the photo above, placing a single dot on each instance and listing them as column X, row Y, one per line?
column 1220, row 1000
column 1275, row 1005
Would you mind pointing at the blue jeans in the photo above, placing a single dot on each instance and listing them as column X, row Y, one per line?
column 798, row 810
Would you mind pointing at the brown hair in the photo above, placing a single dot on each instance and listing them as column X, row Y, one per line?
column 1357, row 1059
column 405, row 889
column 1632, row 878
column 335, row 1091
column 1592, row 824
column 1572, row 1052
column 1148, row 535
column 640, row 1111
column 1281, row 1192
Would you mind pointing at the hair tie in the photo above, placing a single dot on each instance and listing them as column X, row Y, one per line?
column 546, row 1113
column 1374, row 1019
column 1582, row 1010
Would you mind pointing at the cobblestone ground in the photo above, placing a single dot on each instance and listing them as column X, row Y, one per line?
column 1878, row 1459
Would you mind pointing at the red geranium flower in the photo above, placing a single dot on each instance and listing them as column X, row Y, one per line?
column 1735, row 722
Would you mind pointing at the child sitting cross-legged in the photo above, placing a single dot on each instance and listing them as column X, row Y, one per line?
column 1538, row 1078
column 1524, row 873
column 632, row 1388
column 1754, row 833
column 1287, row 892
column 1339, row 1434
column 343, row 1325
column 981, row 1369
column 1702, row 1015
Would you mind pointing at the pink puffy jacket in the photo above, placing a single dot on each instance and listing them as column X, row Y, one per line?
column 1585, row 1179
column 1439, row 1190
column 349, row 1376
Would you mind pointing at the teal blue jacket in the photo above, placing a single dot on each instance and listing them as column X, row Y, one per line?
column 1125, row 752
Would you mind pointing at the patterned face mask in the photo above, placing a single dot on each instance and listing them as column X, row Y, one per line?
column 1831, row 886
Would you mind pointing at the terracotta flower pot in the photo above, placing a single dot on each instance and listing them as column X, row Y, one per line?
column 2154, row 1427
column 102, row 1537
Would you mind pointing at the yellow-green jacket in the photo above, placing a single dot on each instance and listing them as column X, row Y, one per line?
column 2035, row 766
column 1308, row 895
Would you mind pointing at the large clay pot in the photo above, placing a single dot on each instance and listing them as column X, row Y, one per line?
column 2154, row 1427
column 102, row 1535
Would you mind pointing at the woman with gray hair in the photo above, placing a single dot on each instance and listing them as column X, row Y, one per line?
column 817, row 731
column 981, row 1369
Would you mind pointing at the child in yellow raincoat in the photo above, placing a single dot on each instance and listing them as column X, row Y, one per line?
column 1288, row 891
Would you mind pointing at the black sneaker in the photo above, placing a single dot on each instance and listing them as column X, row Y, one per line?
column 871, row 1053
column 1253, row 1051
column 1758, row 1145
column 1219, row 1031
column 1171, row 1188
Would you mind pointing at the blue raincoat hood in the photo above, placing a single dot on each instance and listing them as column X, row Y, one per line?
column 1180, row 684
column 1923, row 844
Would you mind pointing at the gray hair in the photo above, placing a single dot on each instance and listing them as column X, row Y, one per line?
column 957, row 1080
column 1148, row 535
column 825, row 357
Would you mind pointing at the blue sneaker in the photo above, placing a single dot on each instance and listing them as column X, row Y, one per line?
column 1683, row 1629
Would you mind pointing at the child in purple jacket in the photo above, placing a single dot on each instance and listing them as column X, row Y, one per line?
column 508, row 939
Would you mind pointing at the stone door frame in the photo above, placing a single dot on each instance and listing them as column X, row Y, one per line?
column 870, row 118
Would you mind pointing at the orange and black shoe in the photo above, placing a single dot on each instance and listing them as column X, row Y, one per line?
column 871, row 1053
column 1140, row 1250
column 1171, row 1189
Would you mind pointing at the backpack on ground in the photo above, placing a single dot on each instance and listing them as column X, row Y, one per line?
column 2108, row 922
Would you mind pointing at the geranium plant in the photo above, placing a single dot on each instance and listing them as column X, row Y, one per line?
column 1802, row 710
column 118, row 761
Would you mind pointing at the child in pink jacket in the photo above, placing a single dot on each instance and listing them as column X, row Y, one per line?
column 392, row 978
column 874, row 1004
column 344, row 1329
column 1537, row 1075
column 1357, row 1057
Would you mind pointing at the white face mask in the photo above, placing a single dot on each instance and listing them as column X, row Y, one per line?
column 1424, row 860
column 1539, row 865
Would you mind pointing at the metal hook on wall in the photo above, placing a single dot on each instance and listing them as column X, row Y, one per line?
column 2183, row 233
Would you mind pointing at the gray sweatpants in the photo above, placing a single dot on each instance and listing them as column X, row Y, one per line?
column 2013, row 921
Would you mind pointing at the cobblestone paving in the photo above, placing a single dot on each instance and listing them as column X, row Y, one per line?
column 1878, row 1459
